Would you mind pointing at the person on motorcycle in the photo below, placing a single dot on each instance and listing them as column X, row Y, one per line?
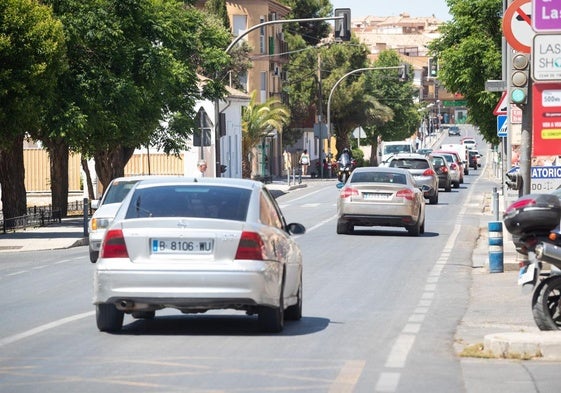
column 346, row 164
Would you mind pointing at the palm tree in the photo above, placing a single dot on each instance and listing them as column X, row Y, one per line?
column 258, row 120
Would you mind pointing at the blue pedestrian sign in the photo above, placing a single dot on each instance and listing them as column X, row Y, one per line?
column 502, row 129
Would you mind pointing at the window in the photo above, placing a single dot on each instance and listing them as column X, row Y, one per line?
column 239, row 24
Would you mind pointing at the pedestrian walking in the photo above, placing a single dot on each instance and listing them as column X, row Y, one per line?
column 304, row 162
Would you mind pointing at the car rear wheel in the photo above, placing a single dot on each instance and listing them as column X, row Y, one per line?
column 448, row 186
column 433, row 200
column 108, row 318
column 93, row 256
column 294, row 313
column 344, row 227
column 415, row 230
column 271, row 319
column 457, row 184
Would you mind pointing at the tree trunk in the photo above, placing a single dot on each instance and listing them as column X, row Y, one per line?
column 89, row 183
column 58, row 153
column 12, row 175
column 111, row 164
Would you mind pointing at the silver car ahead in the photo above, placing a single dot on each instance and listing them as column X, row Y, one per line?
column 381, row 196
column 197, row 245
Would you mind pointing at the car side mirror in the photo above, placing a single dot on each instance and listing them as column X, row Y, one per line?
column 295, row 228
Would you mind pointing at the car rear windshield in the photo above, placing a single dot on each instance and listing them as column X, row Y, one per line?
column 378, row 177
column 228, row 203
column 410, row 163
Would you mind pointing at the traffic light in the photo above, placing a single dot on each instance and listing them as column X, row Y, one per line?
column 343, row 26
column 519, row 78
column 514, row 180
column 433, row 67
column 404, row 72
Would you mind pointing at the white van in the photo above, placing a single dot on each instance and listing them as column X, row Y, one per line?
column 388, row 149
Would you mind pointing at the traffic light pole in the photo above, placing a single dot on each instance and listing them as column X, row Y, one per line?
column 526, row 144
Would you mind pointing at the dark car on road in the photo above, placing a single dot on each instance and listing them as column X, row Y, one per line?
column 454, row 131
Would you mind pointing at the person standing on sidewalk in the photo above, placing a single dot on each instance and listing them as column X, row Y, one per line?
column 304, row 162
column 201, row 166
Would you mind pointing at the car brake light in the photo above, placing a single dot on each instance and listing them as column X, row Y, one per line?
column 405, row 193
column 428, row 172
column 348, row 192
column 251, row 246
column 453, row 166
column 114, row 245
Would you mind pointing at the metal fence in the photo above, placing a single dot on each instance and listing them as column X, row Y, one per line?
column 38, row 216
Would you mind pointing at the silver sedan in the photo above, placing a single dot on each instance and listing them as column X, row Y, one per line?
column 380, row 196
column 197, row 245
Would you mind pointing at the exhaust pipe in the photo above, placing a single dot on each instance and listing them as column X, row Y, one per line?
column 126, row 304
column 549, row 253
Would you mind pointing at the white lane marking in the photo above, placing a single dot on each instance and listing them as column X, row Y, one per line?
column 388, row 381
column 399, row 351
column 16, row 273
column 348, row 377
column 40, row 329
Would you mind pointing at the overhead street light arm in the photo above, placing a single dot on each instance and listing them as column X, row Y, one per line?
column 277, row 22
column 337, row 84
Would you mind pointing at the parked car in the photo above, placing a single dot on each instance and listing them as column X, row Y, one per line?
column 420, row 167
column 442, row 169
column 381, row 196
column 105, row 209
column 454, row 131
column 456, row 171
column 197, row 245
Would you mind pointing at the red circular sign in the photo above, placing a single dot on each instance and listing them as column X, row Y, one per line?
column 517, row 25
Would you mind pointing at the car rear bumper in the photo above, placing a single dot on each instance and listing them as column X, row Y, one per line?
column 257, row 283
column 379, row 220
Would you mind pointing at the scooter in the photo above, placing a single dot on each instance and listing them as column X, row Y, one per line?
column 534, row 220
column 344, row 168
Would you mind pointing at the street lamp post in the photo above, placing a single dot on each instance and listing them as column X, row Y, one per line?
column 331, row 93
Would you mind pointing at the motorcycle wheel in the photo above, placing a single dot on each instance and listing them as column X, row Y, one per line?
column 547, row 308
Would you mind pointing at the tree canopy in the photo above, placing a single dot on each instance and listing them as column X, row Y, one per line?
column 469, row 53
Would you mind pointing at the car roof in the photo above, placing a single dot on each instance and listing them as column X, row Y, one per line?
column 181, row 180
column 380, row 169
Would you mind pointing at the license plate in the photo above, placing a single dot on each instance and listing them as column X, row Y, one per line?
column 182, row 246
column 376, row 195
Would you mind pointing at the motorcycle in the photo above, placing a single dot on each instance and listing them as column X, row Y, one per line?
column 534, row 222
column 345, row 166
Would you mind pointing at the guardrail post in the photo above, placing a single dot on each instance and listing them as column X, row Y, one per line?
column 496, row 254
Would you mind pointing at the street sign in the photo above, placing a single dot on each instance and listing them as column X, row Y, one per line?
column 517, row 25
column 546, row 57
column 546, row 119
column 495, row 85
column 502, row 129
column 502, row 105
column 546, row 16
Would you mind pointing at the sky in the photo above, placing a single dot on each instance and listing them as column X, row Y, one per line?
column 415, row 8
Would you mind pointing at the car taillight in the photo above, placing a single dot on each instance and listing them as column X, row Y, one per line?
column 453, row 166
column 443, row 169
column 405, row 193
column 251, row 246
column 114, row 245
column 348, row 192
column 428, row 172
